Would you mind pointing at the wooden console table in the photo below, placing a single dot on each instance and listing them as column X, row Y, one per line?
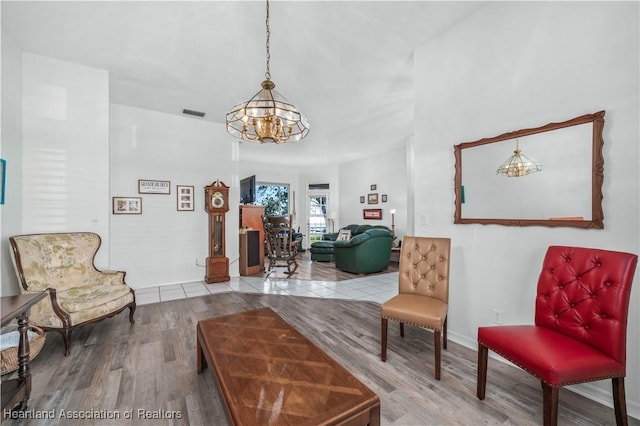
column 15, row 392
column 395, row 255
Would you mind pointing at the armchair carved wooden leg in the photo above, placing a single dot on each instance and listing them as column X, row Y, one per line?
column 66, row 338
column 132, row 309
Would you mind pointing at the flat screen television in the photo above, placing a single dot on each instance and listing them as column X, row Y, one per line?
column 248, row 190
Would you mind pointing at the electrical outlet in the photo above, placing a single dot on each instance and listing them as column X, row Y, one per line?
column 497, row 316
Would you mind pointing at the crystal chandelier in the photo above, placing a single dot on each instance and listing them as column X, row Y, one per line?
column 518, row 165
column 267, row 117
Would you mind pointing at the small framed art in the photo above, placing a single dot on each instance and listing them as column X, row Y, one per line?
column 372, row 198
column 374, row 187
column 127, row 205
column 375, row 214
column 184, row 195
column 384, row 198
column 154, row 186
column 362, row 199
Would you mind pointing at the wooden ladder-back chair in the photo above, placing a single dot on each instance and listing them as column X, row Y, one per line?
column 580, row 326
column 423, row 291
column 280, row 243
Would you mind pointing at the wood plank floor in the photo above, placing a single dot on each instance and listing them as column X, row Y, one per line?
column 115, row 368
column 313, row 270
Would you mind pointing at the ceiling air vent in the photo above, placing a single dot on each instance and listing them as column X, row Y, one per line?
column 192, row 112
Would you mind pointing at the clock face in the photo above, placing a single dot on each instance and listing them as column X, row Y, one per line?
column 217, row 200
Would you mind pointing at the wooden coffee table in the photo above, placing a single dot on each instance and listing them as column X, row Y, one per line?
column 269, row 373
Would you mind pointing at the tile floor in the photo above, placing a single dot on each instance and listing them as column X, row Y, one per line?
column 375, row 288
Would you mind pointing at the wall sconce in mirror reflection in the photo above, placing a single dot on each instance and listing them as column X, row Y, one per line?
column 332, row 216
column 518, row 164
column 393, row 222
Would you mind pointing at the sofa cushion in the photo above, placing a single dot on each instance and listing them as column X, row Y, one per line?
column 354, row 241
column 89, row 296
column 379, row 232
column 322, row 247
column 101, row 311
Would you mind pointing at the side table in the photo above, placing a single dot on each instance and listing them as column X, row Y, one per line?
column 15, row 392
column 395, row 255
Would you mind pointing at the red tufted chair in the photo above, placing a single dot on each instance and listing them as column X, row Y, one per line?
column 580, row 326
column 423, row 292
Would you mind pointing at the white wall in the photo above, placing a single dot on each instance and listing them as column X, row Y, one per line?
column 161, row 246
column 388, row 172
column 11, row 148
column 510, row 66
column 65, row 147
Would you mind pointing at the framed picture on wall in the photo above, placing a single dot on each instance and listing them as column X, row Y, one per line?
column 375, row 214
column 362, row 199
column 184, row 196
column 372, row 199
column 127, row 205
column 146, row 186
column 384, row 198
column 374, row 187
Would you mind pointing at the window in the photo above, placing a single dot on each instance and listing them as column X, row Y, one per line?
column 317, row 222
column 274, row 197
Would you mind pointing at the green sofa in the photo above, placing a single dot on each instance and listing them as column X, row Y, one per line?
column 368, row 251
column 322, row 251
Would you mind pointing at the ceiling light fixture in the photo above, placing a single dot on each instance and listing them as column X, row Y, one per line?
column 518, row 165
column 267, row 117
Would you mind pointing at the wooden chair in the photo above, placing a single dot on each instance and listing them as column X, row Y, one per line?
column 280, row 244
column 580, row 326
column 423, row 291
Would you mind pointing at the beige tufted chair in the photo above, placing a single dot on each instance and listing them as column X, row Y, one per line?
column 423, row 291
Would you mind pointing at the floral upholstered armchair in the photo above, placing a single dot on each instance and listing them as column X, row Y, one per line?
column 79, row 294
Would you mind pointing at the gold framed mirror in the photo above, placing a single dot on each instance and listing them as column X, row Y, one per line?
column 566, row 192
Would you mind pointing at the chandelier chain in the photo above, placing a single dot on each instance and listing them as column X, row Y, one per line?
column 267, row 117
column 267, row 74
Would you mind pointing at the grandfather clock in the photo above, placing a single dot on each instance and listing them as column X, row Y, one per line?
column 216, row 203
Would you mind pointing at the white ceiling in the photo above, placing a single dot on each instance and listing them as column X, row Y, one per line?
column 347, row 65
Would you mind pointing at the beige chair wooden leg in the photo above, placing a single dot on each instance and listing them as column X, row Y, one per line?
column 383, row 332
column 438, row 347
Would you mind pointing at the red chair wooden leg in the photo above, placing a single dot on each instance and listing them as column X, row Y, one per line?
column 619, row 401
column 549, row 405
column 481, row 384
column 383, row 332
column 438, row 345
